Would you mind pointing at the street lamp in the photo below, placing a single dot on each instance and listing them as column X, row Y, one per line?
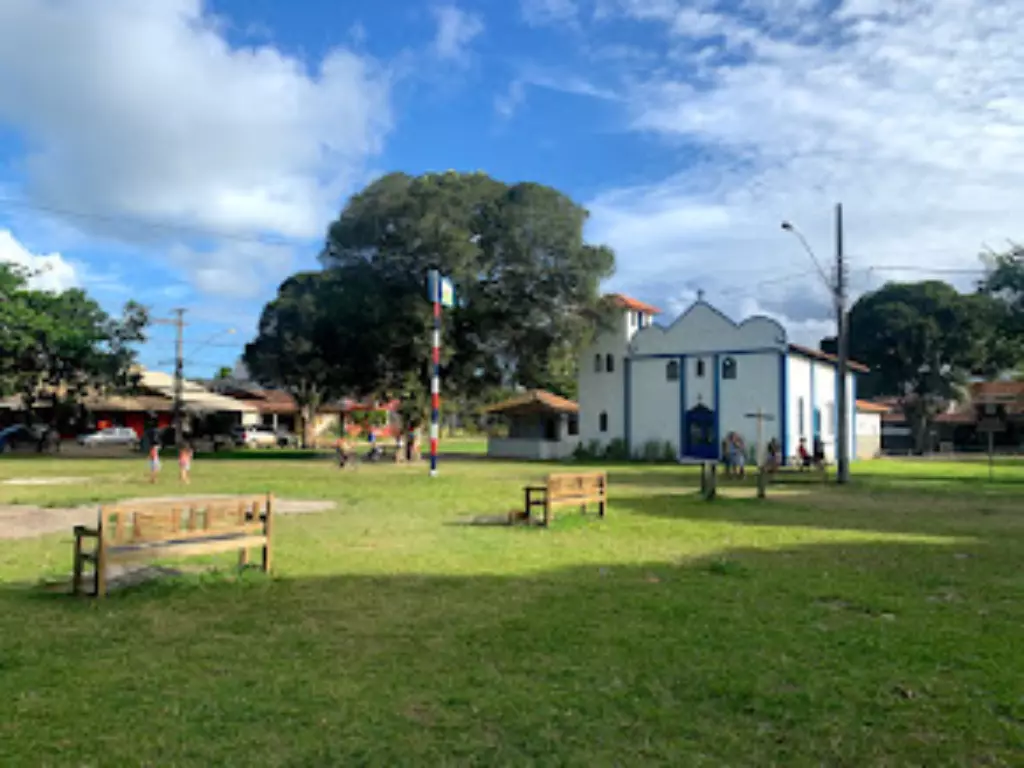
column 838, row 291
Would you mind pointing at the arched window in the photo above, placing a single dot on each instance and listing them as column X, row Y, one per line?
column 729, row 368
column 672, row 370
column 597, row 363
column 609, row 363
column 700, row 369
column 602, row 422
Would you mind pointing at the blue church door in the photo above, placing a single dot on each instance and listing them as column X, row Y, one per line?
column 701, row 436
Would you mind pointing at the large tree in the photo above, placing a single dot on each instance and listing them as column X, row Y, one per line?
column 921, row 341
column 1004, row 281
column 527, row 283
column 55, row 347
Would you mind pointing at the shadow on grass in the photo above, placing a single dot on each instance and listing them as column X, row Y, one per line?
column 829, row 653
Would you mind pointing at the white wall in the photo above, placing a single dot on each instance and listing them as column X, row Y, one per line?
column 654, row 413
column 700, row 389
column 825, row 397
column 704, row 329
column 525, row 448
column 603, row 392
column 798, row 384
column 756, row 386
column 869, row 435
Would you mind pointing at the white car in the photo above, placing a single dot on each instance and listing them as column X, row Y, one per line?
column 255, row 437
column 110, row 436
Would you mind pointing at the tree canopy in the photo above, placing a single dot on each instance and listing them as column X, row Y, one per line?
column 527, row 288
column 62, row 343
column 1004, row 282
column 921, row 340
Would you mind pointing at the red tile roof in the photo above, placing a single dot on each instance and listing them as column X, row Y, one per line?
column 866, row 406
column 538, row 399
column 817, row 354
column 627, row 302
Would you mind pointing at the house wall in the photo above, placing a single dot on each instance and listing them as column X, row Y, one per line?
column 824, row 398
column 655, row 405
column 800, row 404
column 756, row 386
column 869, row 435
column 526, row 440
column 601, row 391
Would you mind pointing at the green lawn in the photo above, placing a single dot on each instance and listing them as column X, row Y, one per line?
column 878, row 624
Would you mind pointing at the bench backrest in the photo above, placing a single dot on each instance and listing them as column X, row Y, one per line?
column 154, row 521
column 577, row 485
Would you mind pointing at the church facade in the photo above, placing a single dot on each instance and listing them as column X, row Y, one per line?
column 685, row 386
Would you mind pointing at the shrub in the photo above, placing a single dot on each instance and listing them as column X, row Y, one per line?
column 617, row 450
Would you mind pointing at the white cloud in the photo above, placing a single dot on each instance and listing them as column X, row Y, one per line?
column 540, row 12
column 456, row 29
column 49, row 272
column 915, row 121
column 235, row 269
column 145, row 111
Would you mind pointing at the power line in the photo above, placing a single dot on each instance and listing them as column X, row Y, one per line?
column 152, row 225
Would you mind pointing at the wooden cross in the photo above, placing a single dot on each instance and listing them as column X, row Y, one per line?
column 761, row 417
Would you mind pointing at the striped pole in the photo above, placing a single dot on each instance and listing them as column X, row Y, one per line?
column 435, row 382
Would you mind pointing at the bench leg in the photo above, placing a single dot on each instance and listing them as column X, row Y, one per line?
column 76, row 579
column 526, row 503
column 243, row 559
column 600, row 508
column 547, row 512
column 101, row 570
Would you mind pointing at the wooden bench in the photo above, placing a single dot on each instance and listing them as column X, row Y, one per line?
column 565, row 489
column 150, row 530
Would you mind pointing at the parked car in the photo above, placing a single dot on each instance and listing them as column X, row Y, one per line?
column 286, row 439
column 18, row 438
column 254, row 437
column 111, row 436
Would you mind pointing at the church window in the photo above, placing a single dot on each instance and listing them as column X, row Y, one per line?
column 574, row 426
column 597, row 363
column 700, row 369
column 602, row 423
column 729, row 368
column 609, row 363
column 672, row 370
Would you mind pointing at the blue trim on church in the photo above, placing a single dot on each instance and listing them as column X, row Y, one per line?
column 682, row 406
column 718, row 406
column 783, row 401
column 627, row 394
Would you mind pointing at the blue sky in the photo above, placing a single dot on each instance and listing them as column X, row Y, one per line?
column 187, row 153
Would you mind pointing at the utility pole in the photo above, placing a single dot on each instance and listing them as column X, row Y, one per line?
column 842, row 342
column 179, row 371
column 178, row 321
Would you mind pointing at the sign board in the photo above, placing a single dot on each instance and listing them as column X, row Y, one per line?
column 990, row 424
column 440, row 289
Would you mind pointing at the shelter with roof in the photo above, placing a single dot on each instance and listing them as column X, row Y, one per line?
column 541, row 426
column 692, row 382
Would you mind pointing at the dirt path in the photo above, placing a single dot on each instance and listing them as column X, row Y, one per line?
column 18, row 521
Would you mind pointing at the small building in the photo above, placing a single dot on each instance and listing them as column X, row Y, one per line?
column 869, row 429
column 685, row 386
column 541, row 426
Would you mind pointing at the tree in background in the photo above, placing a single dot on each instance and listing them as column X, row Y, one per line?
column 224, row 373
column 921, row 341
column 1004, row 282
column 56, row 347
column 292, row 350
column 527, row 286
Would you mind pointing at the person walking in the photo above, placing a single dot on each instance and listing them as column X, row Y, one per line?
column 154, row 462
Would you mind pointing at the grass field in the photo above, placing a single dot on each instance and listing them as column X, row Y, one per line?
column 877, row 624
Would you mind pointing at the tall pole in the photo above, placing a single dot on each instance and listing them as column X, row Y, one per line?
column 435, row 381
column 179, row 371
column 842, row 341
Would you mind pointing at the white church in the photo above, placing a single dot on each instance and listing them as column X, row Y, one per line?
column 691, row 383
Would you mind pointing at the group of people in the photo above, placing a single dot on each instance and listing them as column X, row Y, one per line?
column 185, row 455
column 406, row 445
column 815, row 458
column 734, row 454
